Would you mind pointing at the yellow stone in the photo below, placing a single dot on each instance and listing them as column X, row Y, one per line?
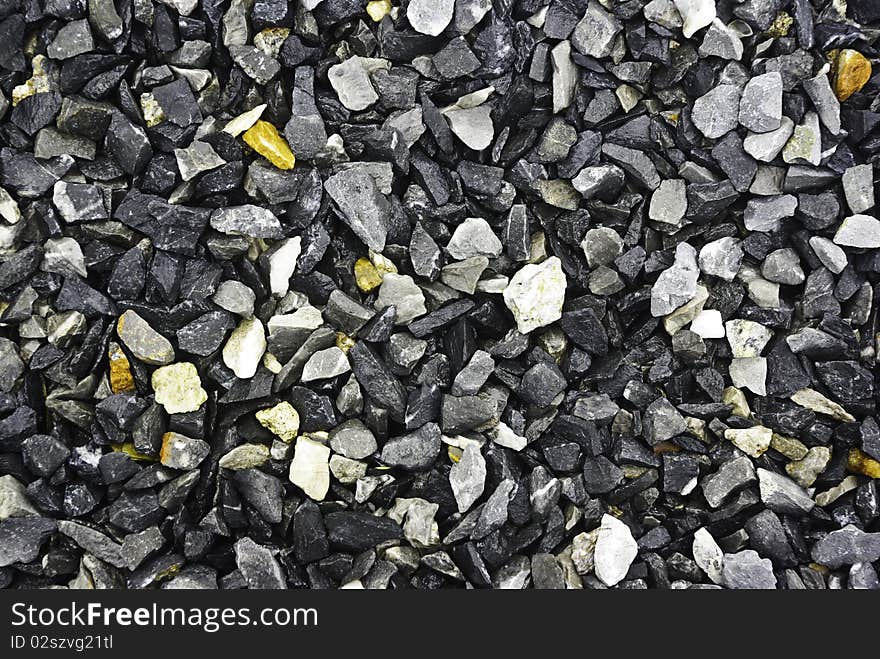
column 344, row 342
column 263, row 138
column 282, row 419
column 271, row 39
column 37, row 84
column 153, row 112
column 696, row 427
column 737, row 401
column 129, row 449
column 378, row 9
column 633, row 471
column 366, row 275
column 788, row 446
column 271, row 362
column 454, row 453
column 853, row 70
column 121, row 379
column 554, row 343
column 860, row 463
column 178, row 388
column 781, row 25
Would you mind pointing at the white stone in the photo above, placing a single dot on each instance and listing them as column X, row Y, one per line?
column 13, row 499
column 696, row 15
column 178, row 388
column 242, row 122
column 708, row 324
column 708, row 555
column 198, row 157
column 749, row 373
column 467, row 477
column 663, row 13
column 752, row 441
column 62, row 255
column 350, row 80
column 535, row 294
column 183, row 7
column 325, row 364
column 245, row 347
column 504, row 436
column 9, row 208
column 306, row 317
column 766, row 146
column 473, row 237
column 309, row 469
column 831, row 256
column 746, row 337
column 677, row 284
column 669, row 202
column 565, row 75
column 402, row 292
column 813, row 400
column 473, row 126
column 430, row 16
column 764, row 293
column 687, row 312
column 859, row 231
column 282, row 263
column 616, row 549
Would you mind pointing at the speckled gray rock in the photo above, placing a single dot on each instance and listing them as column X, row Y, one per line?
column 363, row 207
column 783, row 495
column 847, row 546
column 760, row 108
column 467, row 478
column 414, row 451
column 401, row 292
column 595, row 32
column 859, row 231
column 145, row 343
column 247, row 220
column 858, row 187
column 22, row 537
column 715, row 113
column 731, row 476
column 473, row 237
column 677, row 284
column 747, row 570
column 258, row 566
column 721, row 258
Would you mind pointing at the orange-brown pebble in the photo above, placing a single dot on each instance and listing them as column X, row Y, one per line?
column 861, row 463
column 121, row 379
column 853, row 72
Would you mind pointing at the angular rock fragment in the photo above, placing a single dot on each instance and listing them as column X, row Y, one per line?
column 145, row 343
column 309, row 469
column 760, row 107
column 178, row 388
column 535, row 295
column 677, row 284
column 615, row 551
column 363, row 207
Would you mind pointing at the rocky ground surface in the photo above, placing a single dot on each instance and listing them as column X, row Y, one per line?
column 439, row 294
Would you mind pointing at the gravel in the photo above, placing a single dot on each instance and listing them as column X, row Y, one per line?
column 441, row 294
